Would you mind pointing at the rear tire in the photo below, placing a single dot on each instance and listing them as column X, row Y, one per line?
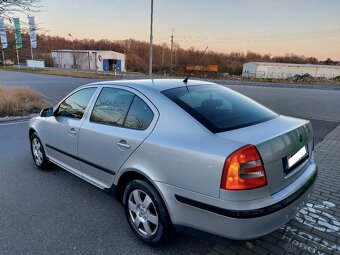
column 146, row 213
column 38, row 152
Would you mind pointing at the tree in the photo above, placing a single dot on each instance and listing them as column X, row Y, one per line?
column 9, row 7
column 329, row 61
column 312, row 60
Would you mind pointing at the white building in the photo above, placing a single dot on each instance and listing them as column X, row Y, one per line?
column 96, row 60
column 283, row 70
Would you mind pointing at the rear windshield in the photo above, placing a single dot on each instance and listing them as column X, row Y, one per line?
column 218, row 108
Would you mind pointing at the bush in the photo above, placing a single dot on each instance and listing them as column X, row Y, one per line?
column 19, row 102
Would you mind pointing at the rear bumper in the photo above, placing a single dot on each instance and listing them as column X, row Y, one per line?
column 248, row 214
column 211, row 217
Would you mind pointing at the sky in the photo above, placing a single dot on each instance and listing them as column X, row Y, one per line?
column 276, row 27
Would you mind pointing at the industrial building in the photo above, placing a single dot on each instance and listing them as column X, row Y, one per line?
column 285, row 70
column 95, row 60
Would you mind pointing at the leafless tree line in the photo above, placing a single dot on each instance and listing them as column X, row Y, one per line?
column 9, row 7
column 137, row 53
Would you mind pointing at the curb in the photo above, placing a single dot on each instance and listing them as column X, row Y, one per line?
column 13, row 119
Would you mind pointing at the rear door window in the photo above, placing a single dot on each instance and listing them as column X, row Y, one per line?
column 123, row 108
column 112, row 106
column 218, row 108
column 140, row 115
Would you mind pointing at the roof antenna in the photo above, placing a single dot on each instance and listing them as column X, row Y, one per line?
column 198, row 60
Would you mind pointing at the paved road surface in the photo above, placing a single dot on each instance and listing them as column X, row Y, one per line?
column 55, row 212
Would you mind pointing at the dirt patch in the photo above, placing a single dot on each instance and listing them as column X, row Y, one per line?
column 297, row 79
column 20, row 102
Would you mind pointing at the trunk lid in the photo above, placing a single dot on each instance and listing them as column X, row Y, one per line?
column 276, row 140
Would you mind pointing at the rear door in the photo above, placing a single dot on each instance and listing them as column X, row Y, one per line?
column 120, row 120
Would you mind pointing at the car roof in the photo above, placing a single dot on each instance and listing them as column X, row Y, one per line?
column 151, row 84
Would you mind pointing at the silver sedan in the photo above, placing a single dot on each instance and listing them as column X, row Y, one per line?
column 187, row 156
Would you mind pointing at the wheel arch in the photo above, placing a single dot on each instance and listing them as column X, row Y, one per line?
column 31, row 131
column 119, row 185
column 123, row 179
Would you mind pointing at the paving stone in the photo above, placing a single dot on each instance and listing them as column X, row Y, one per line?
column 273, row 248
column 221, row 249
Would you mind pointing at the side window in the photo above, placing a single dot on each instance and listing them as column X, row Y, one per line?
column 111, row 106
column 140, row 115
column 75, row 105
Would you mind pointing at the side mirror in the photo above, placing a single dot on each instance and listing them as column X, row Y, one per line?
column 47, row 112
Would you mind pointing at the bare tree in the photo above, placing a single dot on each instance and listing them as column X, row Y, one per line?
column 9, row 7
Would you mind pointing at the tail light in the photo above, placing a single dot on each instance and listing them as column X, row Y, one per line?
column 243, row 169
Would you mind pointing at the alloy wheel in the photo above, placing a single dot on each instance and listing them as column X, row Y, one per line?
column 143, row 212
column 37, row 152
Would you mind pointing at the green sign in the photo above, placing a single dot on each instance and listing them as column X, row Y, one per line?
column 17, row 28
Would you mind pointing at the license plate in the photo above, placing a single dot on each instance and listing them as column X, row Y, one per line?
column 296, row 158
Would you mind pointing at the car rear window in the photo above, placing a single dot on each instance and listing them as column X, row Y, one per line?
column 218, row 108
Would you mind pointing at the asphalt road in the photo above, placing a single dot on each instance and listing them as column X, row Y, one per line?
column 55, row 212
column 51, row 86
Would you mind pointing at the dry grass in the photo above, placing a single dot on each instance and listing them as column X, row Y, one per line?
column 77, row 74
column 19, row 102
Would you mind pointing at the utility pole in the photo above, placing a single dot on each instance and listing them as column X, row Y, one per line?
column 162, row 59
column 32, row 53
column 3, row 57
column 74, row 54
column 172, row 46
column 18, row 60
column 151, row 37
column 125, row 59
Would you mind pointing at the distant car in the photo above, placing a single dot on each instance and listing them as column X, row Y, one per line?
column 192, row 156
column 9, row 62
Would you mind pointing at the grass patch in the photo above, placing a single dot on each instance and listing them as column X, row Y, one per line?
column 77, row 74
column 20, row 102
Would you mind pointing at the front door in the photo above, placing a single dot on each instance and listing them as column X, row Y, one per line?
column 106, row 65
column 62, row 129
column 94, row 61
column 119, row 122
column 119, row 65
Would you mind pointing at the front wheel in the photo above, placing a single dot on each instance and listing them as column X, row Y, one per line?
column 146, row 213
column 38, row 152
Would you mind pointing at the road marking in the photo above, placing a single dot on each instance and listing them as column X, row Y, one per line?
column 14, row 122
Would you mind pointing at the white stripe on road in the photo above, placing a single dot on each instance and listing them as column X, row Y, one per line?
column 13, row 123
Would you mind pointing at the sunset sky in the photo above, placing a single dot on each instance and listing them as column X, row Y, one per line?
column 303, row 27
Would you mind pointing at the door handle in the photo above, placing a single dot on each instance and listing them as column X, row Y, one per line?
column 73, row 132
column 123, row 145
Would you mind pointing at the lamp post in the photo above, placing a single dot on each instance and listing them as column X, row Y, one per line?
column 74, row 56
column 172, row 46
column 151, row 37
